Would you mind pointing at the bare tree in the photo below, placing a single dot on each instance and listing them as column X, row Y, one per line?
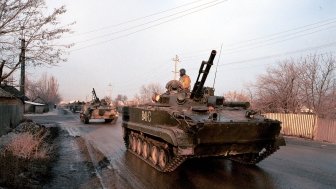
column 307, row 82
column 46, row 88
column 120, row 98
column 318, row 83
column 147, row 91
column 237, row 96
column 278, row 89
column 29, row 20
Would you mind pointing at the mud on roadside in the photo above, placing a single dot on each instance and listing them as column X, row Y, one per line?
column 73, row 169
column 99, row 163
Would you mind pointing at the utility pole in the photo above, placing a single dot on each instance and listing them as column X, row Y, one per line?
column 176, row 61
column 23, row 64
column 110, row 90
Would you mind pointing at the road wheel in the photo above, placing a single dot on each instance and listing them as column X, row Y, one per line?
column 139, row 146
column 145, row 149
column 130, row 139
column 154, row 155
column 163, row 158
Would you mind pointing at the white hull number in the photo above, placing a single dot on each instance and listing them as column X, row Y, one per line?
column 146, row 116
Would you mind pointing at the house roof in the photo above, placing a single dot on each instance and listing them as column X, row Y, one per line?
column 5, row 94
column 34, row 103
column 12, row 90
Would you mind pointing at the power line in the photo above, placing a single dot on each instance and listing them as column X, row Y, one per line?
column 263, row 64
column 143, row 24
column 280, row 54
column 332, row 20
column 237, row 50
column 268, row 37
column 129, row 86
column 164, row 67
column 275, row 42
column 126, row 35
column 253, row 46
column 135, row 19
column 274, row 55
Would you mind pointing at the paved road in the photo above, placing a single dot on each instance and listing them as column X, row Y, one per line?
column 300, row 164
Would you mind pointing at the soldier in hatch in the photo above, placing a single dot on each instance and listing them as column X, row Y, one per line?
column 185, row 80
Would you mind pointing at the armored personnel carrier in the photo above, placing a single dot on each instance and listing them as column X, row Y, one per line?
column 98, row 109
column 76, row 106
column 181, row 125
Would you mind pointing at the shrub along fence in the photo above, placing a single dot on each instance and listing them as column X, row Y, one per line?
column 306, row 126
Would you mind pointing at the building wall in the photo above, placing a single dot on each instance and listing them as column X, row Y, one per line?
column 39, row 109
column 11, row 113
column 29, row 108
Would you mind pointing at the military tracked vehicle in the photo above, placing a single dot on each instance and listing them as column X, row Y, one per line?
column 98, row 109
column 76, row 106
column 182, row 125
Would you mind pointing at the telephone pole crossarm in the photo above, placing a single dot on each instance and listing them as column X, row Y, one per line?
column 176, row 60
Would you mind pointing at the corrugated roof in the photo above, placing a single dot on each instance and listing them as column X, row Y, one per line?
column 12, row 90
column 34, row 103
column 5, row 94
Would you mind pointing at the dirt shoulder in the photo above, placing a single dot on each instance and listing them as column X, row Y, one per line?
column 72, row 169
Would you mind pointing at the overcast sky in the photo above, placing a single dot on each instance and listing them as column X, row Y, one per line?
column 127, row 44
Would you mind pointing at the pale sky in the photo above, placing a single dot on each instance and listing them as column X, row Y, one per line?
column 128, row 58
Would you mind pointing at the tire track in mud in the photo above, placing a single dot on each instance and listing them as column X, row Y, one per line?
column 110, row 172
column 95, row 162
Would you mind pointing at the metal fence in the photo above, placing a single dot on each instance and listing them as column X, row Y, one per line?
column 11, row 113
column 306, row 126
column 326, row 130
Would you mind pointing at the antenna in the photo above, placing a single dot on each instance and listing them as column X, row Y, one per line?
column 220, row 52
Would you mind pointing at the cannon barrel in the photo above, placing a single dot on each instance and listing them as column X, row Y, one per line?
column 94, row 96
column 198, row 86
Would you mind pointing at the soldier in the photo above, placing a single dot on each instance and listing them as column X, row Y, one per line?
column 184, row 79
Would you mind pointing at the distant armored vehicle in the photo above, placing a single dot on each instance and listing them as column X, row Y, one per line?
column 182, row 125
column 98, row 109
column 76, row 106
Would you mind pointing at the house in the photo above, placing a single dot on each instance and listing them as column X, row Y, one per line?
column 38, row 106
column 11, row 111
column 42, row 101
column 34, row 107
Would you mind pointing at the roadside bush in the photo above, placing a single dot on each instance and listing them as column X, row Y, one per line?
column 25, row 161
column 28, row 146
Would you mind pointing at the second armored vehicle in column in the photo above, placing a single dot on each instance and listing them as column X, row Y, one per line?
column 98, row 109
